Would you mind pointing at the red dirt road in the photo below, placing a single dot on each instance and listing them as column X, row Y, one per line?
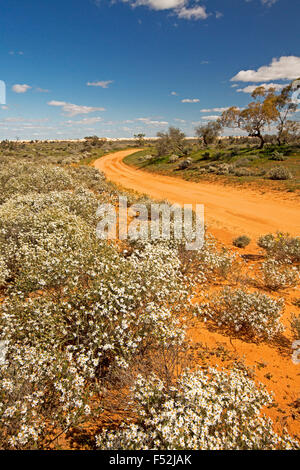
column 229, row 211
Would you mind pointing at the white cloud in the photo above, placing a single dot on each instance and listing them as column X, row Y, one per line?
column 173, row 93
column 190, row 100
column 219, row 14
column 16, row 53
column 4, row 107
column 268, row 3
column 182, row 121
column 284, row 68
column 179, row 7
column 102, row 84
column 42, row 90
column 195, row 13
column 214, row 110
column 85, row 121
column 150, row 122
column 14, row 119
column 267, row 86
column 159, row 4
column 21, row 88
column 74, row 109
column 211, row 118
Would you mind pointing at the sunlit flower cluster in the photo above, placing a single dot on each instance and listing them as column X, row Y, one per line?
column 249, row 314
column 281, row 246
column 203, row 411
column 41, row 391
column 276, row 275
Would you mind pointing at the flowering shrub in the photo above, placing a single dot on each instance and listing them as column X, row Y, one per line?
column 275, row 275
column 207, row 263
column 281, row 246
column 78, row 308
column 217, row 411
column 248, row 314
column 4, row 272
column 19, row 178
column 120, row 314
column 41, row 392
column 43, row 248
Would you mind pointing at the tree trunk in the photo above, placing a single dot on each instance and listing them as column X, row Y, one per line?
column 260, row 137
column 262, row 141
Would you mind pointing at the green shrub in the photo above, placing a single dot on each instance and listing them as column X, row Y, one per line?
column 242, row 162
column 242, row 241
column 278, row 157
column 185, row 164
column 279, row 173
column 242, row 172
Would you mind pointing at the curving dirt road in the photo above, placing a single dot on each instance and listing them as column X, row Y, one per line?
column 229, row 211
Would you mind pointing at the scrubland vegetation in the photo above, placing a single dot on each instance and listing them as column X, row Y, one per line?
column 94, row 333
column 234, row 161
column 259, row 159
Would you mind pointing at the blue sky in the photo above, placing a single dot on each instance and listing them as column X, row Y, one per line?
column 114, row 68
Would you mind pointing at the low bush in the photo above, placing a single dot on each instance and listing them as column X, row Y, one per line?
column 278, row 157
column 242, row 241
column 279, row 173
column 42, row 392
column 185, row 164
column 242, row 172
column 242, row 162
column 252, row 315
column 281, row 246
column 213, row 411
column 275, row 275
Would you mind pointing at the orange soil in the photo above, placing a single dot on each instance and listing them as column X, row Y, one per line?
column 230, row 212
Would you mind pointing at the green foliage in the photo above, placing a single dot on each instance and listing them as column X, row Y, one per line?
column 172, row 141
column 242, row 241
column 209, row 132
column 277, row 156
